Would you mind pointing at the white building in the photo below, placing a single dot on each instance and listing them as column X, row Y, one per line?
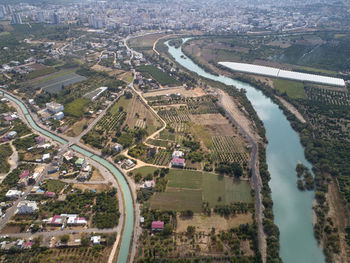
column 75, row 220
column 96, row 240
column 27, row 207
column 13, row 194
column 59, row 116
column 177, row 154
column 54, row 107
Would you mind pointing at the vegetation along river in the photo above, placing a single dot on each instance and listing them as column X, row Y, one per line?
column 292, row 208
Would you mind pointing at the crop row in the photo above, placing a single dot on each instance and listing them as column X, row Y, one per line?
column 334, row 97
column 228, row 148
column 110, row 122
column 174, row 115
column 162, row 158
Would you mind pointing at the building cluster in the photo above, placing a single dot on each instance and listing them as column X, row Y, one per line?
column 210, row 16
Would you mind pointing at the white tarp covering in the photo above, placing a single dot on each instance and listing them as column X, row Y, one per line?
column 285, row 74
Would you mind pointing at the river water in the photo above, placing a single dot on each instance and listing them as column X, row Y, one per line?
column 292, row 208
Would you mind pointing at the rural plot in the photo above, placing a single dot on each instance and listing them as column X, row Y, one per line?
column 229, row 149
column 189, row 189
column 226, row 189
column 55, row 85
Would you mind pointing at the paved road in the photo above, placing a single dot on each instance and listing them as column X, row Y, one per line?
column 255, row 176
column 104, row 171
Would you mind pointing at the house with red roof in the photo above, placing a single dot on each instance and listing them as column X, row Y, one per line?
column 24, row 174
column 49, row 194
column 178, row 162
column 157, row 225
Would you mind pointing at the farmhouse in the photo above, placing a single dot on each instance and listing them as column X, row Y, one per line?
column 54, row 107
column 157, row 225
column 80, row 162
column 178, row 162
column 96, row 240
column 177, row 154
column 13, row 194
column 59, row 116
column 75, row 220
column 27, row 207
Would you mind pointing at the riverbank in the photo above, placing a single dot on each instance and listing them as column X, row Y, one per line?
column 294, row 222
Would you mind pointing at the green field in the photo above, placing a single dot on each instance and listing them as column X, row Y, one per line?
column 76, row 107
column 189, row 189
column 40, row 72
column 178, row 200
column 5, row 152
column 51, row 77
column 293, row 89
column 227, row 188
column 156, row 74
column 53, row 186
column 122, row 102
column 185, row 179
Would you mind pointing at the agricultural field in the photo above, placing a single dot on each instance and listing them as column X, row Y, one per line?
column 53, row 83
column 110, row 122
column 327, row 96
column 139, row 116
column 76, row 107
column 97, row 254
column 5, row 153
column 161, row 143
column 42, row 71
column 189, row 189
column 228, row 149
column 149, row 71
column 144, row 42
column 162, row 158
column 293, row 89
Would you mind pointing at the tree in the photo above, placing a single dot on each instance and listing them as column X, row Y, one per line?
column 168, row 230
column 65, row 238
column 191, row 231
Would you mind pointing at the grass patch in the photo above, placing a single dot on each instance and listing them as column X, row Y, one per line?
column 40, row 72
column 228, row 189
column 293, row 89
column 178, row 200
column 185, row 179
column 52, row 76
column 158, row 75
column 5, row 153
column 53, row 186
column 76, row 107
column 122, row 102
column 316, row 70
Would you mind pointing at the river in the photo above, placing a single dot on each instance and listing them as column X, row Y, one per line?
column 292, row 208
column 128, row 201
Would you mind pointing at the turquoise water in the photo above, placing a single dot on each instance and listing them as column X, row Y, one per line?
column 292, row 208
column 129, row 207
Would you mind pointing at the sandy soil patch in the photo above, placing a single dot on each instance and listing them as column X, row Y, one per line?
column 96, row 176
column 10, row 229
column 292, row 109
column 216, row 124
column 242, row 118
column 77, row 127
column 205, row 223
column 196, row 92
column 101, row 68
column 97, row 187
column 339, row 216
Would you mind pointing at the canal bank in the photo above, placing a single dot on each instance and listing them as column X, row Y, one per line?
column 292, row 209
column 127, row 196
